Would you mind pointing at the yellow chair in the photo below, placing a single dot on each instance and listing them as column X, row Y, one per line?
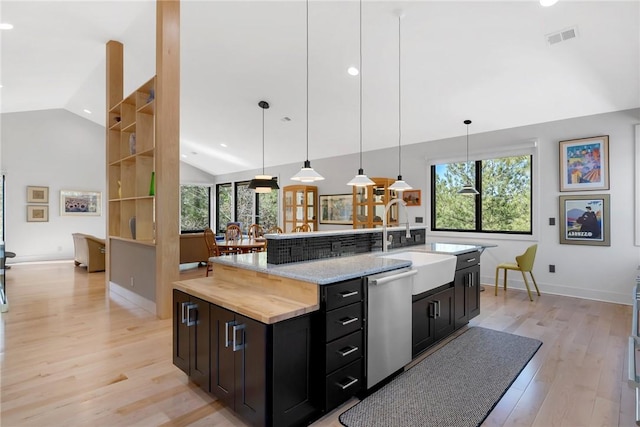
column 212, row 247
column 524, row 263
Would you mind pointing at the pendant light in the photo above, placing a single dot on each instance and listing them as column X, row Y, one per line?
column 307, row 174
column 360, row 180
column 468, row 188
column 263, row 183
column 399, row 185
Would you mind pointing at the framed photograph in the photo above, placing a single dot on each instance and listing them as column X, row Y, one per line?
column 80, row 203
column 584, row 164
column 37, row 213
column 37, row 194
column 412, row 197
column 584, row 220
column 336, row 209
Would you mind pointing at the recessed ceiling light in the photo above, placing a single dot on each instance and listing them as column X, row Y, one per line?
column 0, row 86
column 222, row 144
column 184, row 156
column 5, row 26
column 353, row 71
column 87, row 111
column 547, row 3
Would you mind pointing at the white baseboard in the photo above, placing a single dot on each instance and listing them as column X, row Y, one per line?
column 138, row 300
column 567, row 291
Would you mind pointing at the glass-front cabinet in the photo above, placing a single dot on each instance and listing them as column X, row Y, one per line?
column 300, row 207
column 369, row 203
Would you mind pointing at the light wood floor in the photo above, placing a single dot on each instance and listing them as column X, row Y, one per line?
column 72, row 357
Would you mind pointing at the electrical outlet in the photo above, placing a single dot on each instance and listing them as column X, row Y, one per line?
column 417, row 237
column 335, row 246
column 552, row 221
column 419, row 220
column 552, row 268
column 132, row 285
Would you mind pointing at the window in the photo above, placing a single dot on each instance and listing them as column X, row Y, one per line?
column 195, row 208
column 504, row 204
column 267, row 209
column 224, row 206
column 244, row 204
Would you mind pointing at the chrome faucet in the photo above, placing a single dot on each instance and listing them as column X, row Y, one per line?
column 385, row 240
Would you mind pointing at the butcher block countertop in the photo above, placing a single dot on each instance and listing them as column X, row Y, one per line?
column 259, row 296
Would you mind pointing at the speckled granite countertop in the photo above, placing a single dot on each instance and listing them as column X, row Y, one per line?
column 332, row 270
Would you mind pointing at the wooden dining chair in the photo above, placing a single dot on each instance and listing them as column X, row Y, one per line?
column 232, row 234
column 302, row 228
column 275, row 230
column 524, row 263
column 212, row 247
column 255, row 230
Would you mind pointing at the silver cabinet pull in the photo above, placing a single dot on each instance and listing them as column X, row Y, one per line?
column 190, row 306
column 437, row 305
column 184, row 312
column 351, row 382
column 431, row 312
column 226, row 331
column 347, row 320
column 471, row 283
column 347, row 351
column 471, row 260
column 237, row 346
column 347, row 294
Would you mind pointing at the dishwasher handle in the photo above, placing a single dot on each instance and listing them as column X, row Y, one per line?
column 387, row 279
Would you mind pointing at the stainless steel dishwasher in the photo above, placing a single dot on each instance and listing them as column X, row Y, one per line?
column 388, row 323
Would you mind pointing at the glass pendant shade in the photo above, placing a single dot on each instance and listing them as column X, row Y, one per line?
column 468, row 189
column 400, row 185
column 307, row 174
column 360, row 180
column 263, row 184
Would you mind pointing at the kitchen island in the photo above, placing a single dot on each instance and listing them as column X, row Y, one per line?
column 282, row 344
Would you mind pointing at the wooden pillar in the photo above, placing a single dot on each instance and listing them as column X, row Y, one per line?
column 167, row 152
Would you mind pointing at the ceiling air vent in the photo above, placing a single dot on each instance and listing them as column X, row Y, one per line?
column 562, row 36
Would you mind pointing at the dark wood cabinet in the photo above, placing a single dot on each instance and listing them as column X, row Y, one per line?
column 262, row 372
column 339, row 344
column 432, row 317
column 467, row 290
column 191, row 337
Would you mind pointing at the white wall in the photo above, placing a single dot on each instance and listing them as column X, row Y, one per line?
column 59, row 150
column 594, row 272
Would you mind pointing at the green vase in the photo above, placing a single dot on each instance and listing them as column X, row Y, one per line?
column 152, row 187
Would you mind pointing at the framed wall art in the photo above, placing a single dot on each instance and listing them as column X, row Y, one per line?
column 336, row 209
column 584, row 220
column 37, row 194
column 412, row 197
column 584, row 164
column 37, row 213
column 80, row 203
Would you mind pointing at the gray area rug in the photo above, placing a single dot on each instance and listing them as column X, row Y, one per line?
column 456, row 386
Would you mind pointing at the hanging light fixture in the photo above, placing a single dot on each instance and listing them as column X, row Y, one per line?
column 307, row 174
column 468, row 188
column 360, row 180
column 263, row 183
column 399, row 185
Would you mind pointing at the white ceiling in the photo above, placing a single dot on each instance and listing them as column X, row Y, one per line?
column 485, row 61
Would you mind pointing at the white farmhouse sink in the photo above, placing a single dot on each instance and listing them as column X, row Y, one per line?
column 433, row 269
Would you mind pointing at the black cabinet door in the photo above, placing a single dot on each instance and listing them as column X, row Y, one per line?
column 180, row 331
column 295, row 396
column 200, row 340
column 250, row 357
column 422, row 332
column 467, row 295
column 474, row 292
column 222, row 357
column 444, row 322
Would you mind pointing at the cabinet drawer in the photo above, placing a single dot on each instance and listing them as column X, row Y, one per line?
column 343, row 384
column 344, row 351
column 343, row 321
column 342, row 294
column 468, row 260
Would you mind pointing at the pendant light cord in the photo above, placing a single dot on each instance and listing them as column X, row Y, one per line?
column 399, row 105
column 262, row 140
column 307, row 158
column 360, row 106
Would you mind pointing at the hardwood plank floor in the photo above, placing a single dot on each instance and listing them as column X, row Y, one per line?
column 71, row 355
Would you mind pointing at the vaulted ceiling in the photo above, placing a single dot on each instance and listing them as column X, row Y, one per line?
column 487, row 61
